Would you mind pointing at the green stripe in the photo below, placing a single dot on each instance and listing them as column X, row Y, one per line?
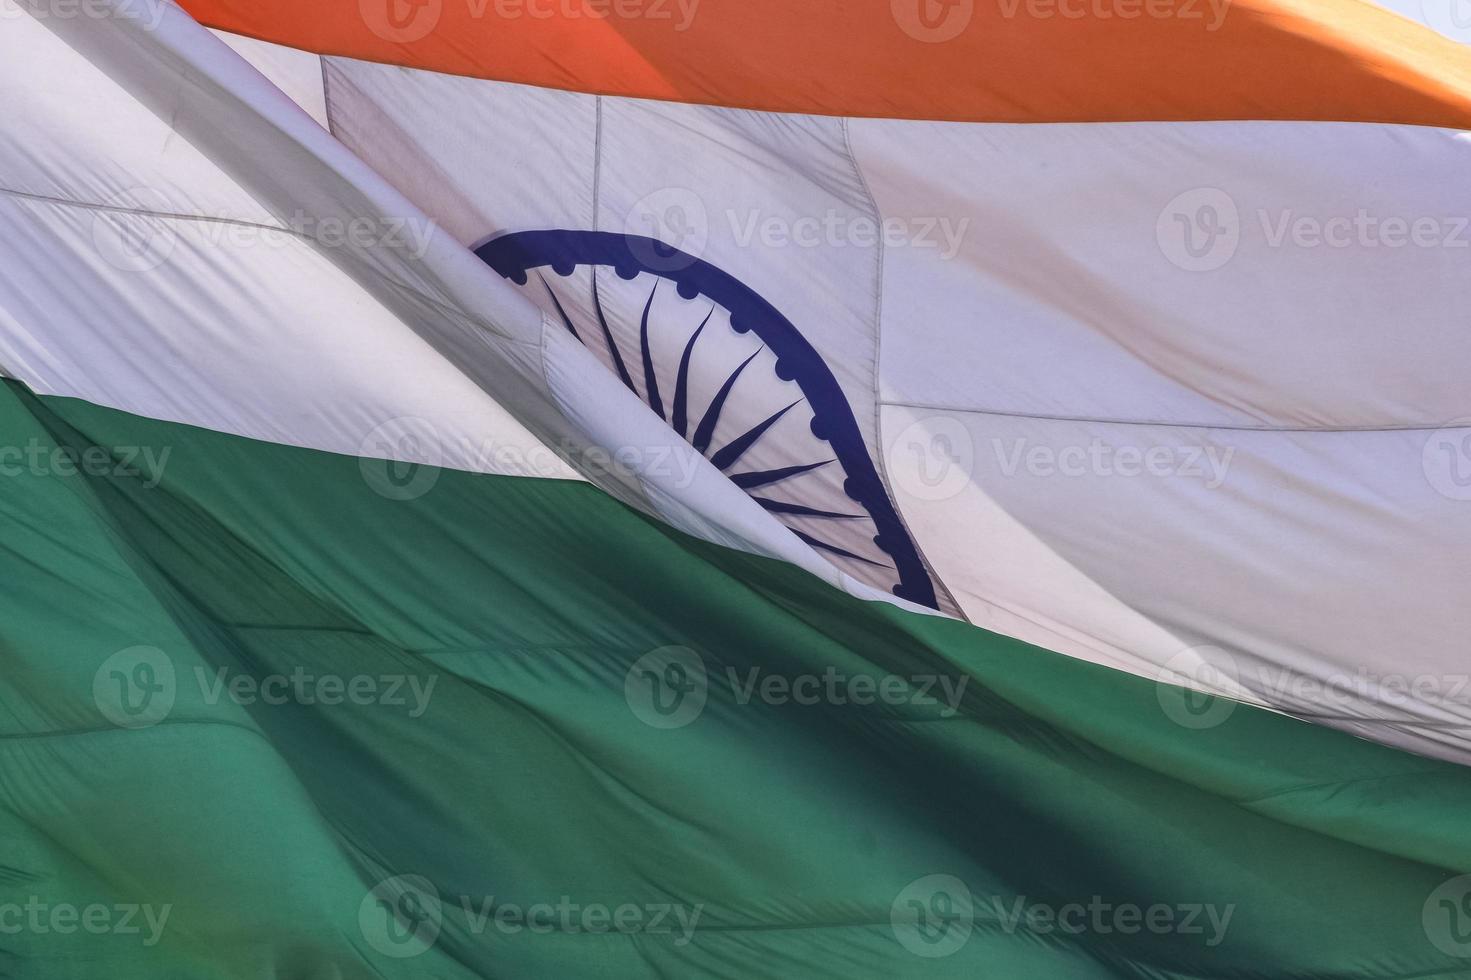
column 528, row 780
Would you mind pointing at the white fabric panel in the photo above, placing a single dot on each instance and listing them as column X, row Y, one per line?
column 1073, row 259
column 270, row 342
column 55, row 100
column 298, row 74
column 1002, row 570
column 1323, row 572
column 544, row 138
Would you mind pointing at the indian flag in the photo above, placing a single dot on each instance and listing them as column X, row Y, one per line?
column 696, row 488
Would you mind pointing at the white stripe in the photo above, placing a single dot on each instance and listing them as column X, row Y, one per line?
column 1314, row 306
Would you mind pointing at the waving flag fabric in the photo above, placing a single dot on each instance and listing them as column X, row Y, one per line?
column 1161, row 372
column 497, row 495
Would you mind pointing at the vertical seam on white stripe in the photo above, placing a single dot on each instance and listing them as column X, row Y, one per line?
column 881, row 462
column 597, row 157
column 326, row 95
column 878, row 291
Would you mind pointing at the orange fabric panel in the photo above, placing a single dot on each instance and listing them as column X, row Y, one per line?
column 1008, row 61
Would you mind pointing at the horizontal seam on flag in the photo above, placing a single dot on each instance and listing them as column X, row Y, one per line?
column 287, row 628
column 243, row 223
column 489, row 647
column 1338, row 784
column 118, row 209
column 114, row 729
column 1400, row 722
column 326, row 95
column 1234, row 426
column 497, row 647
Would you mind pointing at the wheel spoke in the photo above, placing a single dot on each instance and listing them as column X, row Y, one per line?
column 736, row 448
column 651, row 382
column 761, row 478
column 782, row 507
column 706, row 430
column 597, row 302
column 558, row 304
column 834, row 549
column 681, row 381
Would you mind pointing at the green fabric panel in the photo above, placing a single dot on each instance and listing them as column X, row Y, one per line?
column 508, row 768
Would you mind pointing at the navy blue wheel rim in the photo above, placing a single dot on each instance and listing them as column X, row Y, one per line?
column 516, row 255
